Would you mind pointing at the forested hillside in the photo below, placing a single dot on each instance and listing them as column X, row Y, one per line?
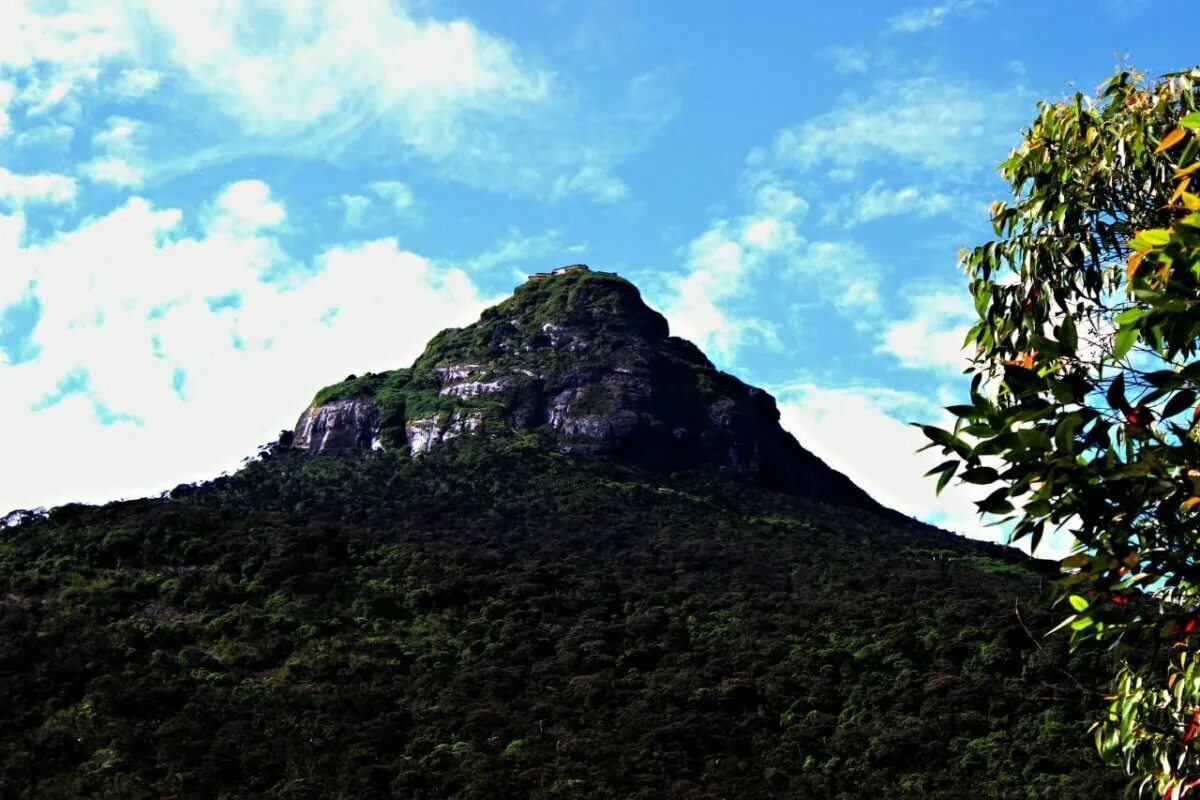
column 501, row 620
column 561, row 556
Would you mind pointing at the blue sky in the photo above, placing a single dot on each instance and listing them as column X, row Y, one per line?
column 208, row 210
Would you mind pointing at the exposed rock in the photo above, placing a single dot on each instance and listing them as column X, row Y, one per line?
column 474, row 388
column 425, row 434
column 582, row 354
column 341, row 425
column 456, row 372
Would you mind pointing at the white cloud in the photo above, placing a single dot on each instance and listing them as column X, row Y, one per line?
column 842, row 273
column 137, row 82
column 113, row 171
column 387, row 200
column 245, row 207
column 51, row 138
column 522, row 253
column 397, row 194
column 7, row 91
column 340, row 81
column 864, row 433
column 915, row 20
column 721, row 263
column 127, row 304
column 847, row 60
column 355, row 208
column 590, row 180
column 44, row 187
column 878, row 201
column 119, row 152
column 935, row 124
column 931, row 337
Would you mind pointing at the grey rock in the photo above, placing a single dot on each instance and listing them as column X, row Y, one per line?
column 342, row 425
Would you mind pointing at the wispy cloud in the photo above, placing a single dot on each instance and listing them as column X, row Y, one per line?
column 915, row 20
column 846, row 60
column 341, row 82
column 878, row 201
column 929, row 122
column 521, row 253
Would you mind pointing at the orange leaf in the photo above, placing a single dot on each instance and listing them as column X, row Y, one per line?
column 1189, row 503
column 1134, row 260
column 1180, row 189
column 1187, row 170
column 1170, row 140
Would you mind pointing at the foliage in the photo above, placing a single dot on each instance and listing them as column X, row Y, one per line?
column 510, row 343
column 498, row 619
column 1083, row 402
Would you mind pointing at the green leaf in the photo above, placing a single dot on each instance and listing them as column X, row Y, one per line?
column 946, row 439
column 950, row 464
column 996, row 502
column 945, row 479
column 1116, row 393
column 1147, row 240
column 1124, row 342
column 1129, row 315
column 1067, row 334
column 1191, row 121
column 1078, row 603
column 1180, row 401
column 981, row 475
column 1064, row 433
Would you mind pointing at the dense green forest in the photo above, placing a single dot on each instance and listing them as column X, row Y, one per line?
column 499, row 619
column 561, row 556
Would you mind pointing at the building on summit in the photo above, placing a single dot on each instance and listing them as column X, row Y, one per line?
column 541, row 276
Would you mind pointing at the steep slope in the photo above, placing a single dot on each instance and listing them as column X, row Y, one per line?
column 582, row 354
column 531, row 607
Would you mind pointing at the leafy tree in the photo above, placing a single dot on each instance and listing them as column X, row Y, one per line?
column 1083, row 401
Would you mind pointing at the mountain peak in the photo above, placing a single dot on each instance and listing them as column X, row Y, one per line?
column 579, row 353
column 576, row 296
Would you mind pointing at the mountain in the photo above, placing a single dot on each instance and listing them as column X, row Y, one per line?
column 581, row 353
column 560, row 556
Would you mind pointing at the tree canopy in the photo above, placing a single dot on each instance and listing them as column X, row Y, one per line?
column 1085, row 380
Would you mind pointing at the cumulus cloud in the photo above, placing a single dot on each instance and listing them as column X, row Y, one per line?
column 43, row 187
column 136, row 82
column 245, row 207
column 174, row 353
column 7, row 90
column 119, row 152
column 931, row 336
column 840, row 423
column 721, row 262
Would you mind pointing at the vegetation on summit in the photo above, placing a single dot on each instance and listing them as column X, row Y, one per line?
column 1085, row 386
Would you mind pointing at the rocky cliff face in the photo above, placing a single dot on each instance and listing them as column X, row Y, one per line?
column 582, row 354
